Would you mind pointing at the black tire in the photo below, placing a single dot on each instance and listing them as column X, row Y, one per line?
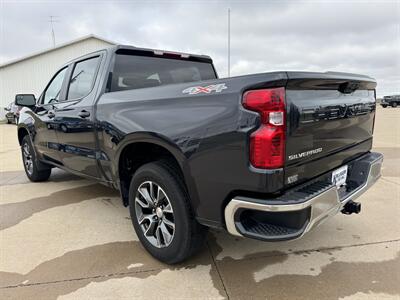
column 8, row 121
column 394, row 104
column 38, row 171
column 384, row 105
column 189, row 235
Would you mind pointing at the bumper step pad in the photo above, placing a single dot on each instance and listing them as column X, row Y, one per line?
column 255, row 228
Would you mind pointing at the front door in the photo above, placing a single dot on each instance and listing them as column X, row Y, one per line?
column 75, row 118
column 45, row 137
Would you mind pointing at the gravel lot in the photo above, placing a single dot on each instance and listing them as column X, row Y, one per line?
column 70, row 238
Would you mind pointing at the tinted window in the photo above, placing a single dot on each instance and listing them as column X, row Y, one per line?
column 82, row 78
column 52, row 93
column 135, row 72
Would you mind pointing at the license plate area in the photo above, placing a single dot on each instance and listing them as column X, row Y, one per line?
column 339, row 176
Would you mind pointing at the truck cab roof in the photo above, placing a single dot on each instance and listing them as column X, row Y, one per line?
column 132, row 50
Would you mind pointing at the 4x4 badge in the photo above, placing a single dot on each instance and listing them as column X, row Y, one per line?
column 205, row 89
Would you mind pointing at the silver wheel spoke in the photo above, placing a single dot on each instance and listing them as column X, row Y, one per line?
column 168, row 209
column 148, row 217
column 151, row 228
column 158, row 237
column 145, row 194
column 151, row 186
column 26, row 151
column 168, row 223
column 141, row 203
column 165, row 233
column 160, row 195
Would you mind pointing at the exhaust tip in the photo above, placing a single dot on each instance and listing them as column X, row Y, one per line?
column 351, row 207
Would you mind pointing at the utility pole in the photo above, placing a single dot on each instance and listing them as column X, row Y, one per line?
column 229, row 42
column 53, row 20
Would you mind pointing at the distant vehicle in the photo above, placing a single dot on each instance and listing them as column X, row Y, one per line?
column 392, row 101
column 265, row 156
column 12, row 113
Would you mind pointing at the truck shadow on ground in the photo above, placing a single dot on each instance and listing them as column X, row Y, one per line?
column 19, row 177
column 14, row 213
column 78, row 268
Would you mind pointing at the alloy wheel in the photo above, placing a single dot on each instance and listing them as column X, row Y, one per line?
column 154, row 214
column 28, row 161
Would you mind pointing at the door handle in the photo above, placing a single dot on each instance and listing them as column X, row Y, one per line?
column 51, row 114
column 84, row 114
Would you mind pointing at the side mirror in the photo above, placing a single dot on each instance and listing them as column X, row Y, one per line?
column 28, row 100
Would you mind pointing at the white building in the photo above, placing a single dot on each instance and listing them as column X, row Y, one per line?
column 30, row 74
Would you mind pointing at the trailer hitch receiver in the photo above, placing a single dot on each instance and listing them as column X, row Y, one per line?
column 351, row 207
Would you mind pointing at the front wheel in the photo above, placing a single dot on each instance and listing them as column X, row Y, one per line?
column 161, row 214
column 35, row 170
column 384, row 105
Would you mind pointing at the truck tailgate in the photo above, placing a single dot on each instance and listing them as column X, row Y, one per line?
column 330, row 120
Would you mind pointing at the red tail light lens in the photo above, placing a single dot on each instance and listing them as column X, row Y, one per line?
column 267, row 144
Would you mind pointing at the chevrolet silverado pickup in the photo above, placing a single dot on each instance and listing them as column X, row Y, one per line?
column 392, row 101
column 266, row 156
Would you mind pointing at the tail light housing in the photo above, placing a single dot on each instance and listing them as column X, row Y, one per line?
column 267, row 143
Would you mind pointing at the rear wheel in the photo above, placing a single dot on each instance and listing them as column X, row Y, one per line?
column 35, row 170
column 394, row 104
column 161, row 214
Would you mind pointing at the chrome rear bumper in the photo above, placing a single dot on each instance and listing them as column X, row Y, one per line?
column 318, row 206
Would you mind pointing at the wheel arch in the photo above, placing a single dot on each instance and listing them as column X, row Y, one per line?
column 26, row 127
column 141, row 148
column 22, row 132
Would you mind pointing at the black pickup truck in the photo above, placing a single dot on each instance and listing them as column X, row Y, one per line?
column 392, row 101
column 266, row 156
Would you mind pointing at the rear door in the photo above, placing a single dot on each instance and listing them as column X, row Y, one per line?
column 75, row 117
column 330, row 121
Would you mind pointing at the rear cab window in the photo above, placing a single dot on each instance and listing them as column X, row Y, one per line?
column 83, row 77
column 135, row 71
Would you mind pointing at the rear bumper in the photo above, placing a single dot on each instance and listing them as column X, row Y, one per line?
column 301, row 209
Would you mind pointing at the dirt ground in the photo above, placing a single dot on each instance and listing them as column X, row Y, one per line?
column 71, row 238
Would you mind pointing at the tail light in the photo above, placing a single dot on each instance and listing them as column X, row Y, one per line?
column 267, row 143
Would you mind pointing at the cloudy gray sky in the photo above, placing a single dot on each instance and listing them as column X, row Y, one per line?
column 349, row 36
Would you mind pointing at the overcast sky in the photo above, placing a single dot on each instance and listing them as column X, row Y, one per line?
column 349, row 36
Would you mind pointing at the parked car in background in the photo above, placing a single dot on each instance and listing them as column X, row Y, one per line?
column 266, row 156
column 392, row 101
column 12, row 113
